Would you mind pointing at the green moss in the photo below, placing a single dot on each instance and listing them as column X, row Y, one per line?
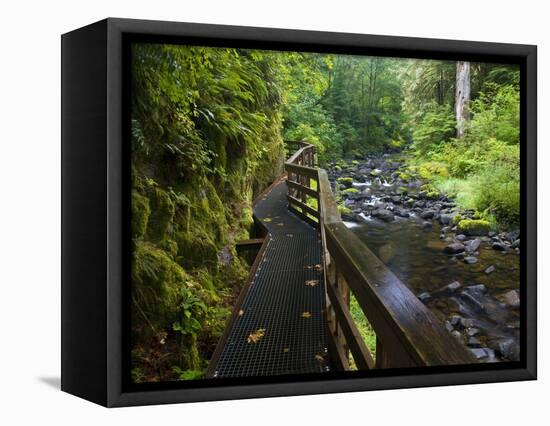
column 162, row 212
column 140, row 214
column 473, row 227
column 155, row 282
column 456, row 219
column 433, row 195
column 350, row 191
column 343, row 209
column 196, row 249
column 337, row 168
column 345, row 181
column 404, row 176
column 402, row 190
column 355, row 162
column 375, row 173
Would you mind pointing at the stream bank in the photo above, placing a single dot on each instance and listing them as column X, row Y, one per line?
column 464, row 272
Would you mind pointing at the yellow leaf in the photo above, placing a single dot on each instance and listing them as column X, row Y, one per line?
column 286, row 350
column 312, row 283
column 256, row 336
column 306, row 314
column 241, row 312
column 267, row 219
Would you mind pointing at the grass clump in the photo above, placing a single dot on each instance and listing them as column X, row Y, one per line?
column 474, row 227
column 362, row 323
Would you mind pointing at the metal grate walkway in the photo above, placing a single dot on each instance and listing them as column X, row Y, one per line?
column 281, row 326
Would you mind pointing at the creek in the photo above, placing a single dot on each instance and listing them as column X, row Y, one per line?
column 470, row 282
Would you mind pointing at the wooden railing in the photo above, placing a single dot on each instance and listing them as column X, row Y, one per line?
column 407, row 333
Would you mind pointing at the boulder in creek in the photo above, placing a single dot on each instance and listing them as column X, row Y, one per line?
column 427, row 225
column 383, row 214
column 449, row 289
column 490, row 270
column 511, row 298
column 445, row 219
column 508, row 349
column 402, row 213
column 472, row 245
column 454, row 248
column 499, row 246
column 474, row 342
column 424, row 297
column 460, row 237
column 470, row 260
column 427, row 214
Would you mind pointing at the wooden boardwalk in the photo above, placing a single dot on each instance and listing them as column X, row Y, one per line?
column 280, row 327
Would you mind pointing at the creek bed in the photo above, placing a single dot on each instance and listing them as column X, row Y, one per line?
column 474, row 304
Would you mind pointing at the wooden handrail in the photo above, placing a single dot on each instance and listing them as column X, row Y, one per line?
column 407, row 332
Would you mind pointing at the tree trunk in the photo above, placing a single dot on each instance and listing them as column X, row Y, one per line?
column 462, row 97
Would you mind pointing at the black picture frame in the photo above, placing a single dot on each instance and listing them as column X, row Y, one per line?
column 95, row 208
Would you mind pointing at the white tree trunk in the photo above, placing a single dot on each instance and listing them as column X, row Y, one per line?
column 462, row 97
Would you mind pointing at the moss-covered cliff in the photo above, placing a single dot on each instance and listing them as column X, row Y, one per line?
column 206, row 140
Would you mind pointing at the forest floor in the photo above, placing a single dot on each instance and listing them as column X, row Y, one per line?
column 466, row 272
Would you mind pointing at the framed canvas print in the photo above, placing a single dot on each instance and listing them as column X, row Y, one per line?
column 253, row 212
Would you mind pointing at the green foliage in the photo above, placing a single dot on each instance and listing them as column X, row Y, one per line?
column 473, row 227
column 480, row 170
column 206, row 137
column 366, row 330
column 436, row 125
column 140, row 214
column 187, row 374
column 192, row 311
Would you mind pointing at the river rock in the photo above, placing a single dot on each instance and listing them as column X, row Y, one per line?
column 454, row 248
column 445, row 219
column 396, row 199
column 511, row 298
column 515, row 244
column 499, row 246
column 472, row 245
column 427, row 214
column 383, row 214
column 478, row 288
column 455, row 320
column 427, row 225
column 402, row 213
column 470, row 260
column 466, row 323
column 490, row 269
column 474, row 342
column 482, row 353
column 424, row 297
column 460, row 237
column 509, row 349
column 472, row 331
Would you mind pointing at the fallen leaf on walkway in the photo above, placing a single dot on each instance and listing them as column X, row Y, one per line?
column 267, row 219
column 312, row 283
column 290, row 235
column 320, row 358
column 241, row 312
column 256, row 336
column 285, row 350
column 306, row 314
